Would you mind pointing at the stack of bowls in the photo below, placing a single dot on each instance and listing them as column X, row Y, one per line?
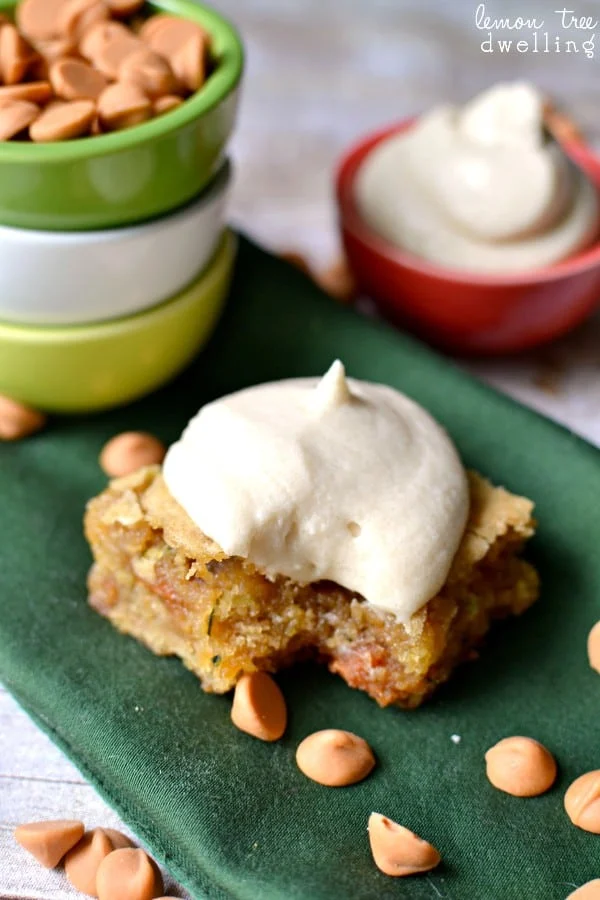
column 114, row 256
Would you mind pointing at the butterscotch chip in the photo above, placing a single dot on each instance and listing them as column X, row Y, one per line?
column 75, row 80
column 76, row 17
column 520, row 766
column 148, row 71
column 49, row 841
column 63, row 122
column 128, row 875
column 92, row 16
column 113, row 54
column 17, row 420
column 582, row 802
column 338, row 281
column 122, row 105
column 335, row 758
column 38, row 19
column 166, row 104
column 128, row 452
column 15, row 55
column 82, row 862
column 168, row 34
column 99, row 35
column 124, row 8
column 32, row 91
column 183, row 43
column 593, row 647
column 189, row 61
column 15, row 117
column 259, row 707
column 155, row 24
column 119, row 840
column 588, row 891
column 56, row 49
column 397, row 851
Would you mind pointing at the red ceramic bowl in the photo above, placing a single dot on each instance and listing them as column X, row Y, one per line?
column 457, row 310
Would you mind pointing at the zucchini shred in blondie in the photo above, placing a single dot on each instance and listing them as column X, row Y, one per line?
column 157, row 577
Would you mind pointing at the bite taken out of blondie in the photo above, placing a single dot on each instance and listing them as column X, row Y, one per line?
column 157, row 577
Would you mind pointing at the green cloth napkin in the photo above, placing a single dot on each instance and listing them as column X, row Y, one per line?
column 232, row 817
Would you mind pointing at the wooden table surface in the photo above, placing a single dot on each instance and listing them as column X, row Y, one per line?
column 320, row 73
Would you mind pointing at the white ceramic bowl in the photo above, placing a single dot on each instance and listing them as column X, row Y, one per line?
column 71, row 278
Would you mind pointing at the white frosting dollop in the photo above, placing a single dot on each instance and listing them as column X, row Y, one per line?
column 482, row 188
column 331, row 479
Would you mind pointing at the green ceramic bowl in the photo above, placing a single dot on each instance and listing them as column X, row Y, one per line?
column 132, row 175
column 85, row 368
